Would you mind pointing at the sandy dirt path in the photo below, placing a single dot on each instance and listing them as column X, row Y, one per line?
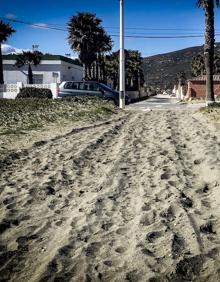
column 133, row 199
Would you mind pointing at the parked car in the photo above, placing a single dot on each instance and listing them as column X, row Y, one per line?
column 89, row 88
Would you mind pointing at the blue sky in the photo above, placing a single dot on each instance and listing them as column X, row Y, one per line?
column 140, row 14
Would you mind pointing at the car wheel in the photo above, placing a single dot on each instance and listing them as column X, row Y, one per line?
column 112, row 101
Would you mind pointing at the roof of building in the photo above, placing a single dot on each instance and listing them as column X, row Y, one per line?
column 48, row 57
column 216, row 77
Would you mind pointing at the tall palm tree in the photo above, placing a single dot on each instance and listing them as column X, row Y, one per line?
column 208, row 7
column 29, row 58
column 85, row 37
column 5, row 31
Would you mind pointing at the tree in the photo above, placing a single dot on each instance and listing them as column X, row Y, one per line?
column 111, row 67
column 133, row 65
column 29, row 58
column 104, row 45
column 134, row 71
column 208, row 7
column 198, row 65
column 5, row 31
column 88, row 38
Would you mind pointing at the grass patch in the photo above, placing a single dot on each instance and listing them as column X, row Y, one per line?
column 212, row 110
column 22, row 115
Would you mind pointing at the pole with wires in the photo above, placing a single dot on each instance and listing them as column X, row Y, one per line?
column 122, row 58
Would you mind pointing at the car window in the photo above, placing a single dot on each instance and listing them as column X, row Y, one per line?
column 75, row 85
column 105, row 87
column 71, row 85
column 91, row 86
column 68, row 85
column 81, row 86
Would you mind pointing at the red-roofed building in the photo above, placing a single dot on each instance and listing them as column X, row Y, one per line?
column 197, row 86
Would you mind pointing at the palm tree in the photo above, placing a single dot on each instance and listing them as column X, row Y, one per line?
column 104, row 45
column 88, row 38
column 134, row 71
column 208, row 7
column 29, row 58
column 5, row 31
column 111, row 68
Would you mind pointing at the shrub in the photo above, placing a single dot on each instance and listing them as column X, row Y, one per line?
column 32, row 92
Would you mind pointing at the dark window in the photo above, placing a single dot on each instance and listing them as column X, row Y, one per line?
column 68, row 85
column 75, row 85
column 91, row 87
column 81, row 86
column 71, row 85
column 38, row 78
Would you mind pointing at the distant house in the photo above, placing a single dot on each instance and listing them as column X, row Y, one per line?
column 197, row 86
column 52, row 69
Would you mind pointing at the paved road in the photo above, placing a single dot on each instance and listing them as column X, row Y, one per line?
column 162, row 102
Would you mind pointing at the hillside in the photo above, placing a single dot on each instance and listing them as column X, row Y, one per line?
column 161, row 70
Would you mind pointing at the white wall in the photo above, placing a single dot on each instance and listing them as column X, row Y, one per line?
column 70, row 72
column 13, row 74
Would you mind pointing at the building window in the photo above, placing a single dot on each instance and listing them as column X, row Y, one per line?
column 55, row 77
column 38, row 78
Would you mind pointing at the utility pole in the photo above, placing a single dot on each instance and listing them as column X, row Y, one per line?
column 122, row 58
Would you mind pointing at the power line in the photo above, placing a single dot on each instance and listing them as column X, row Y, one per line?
column 62, row 27
column 35, row 24
column 131, row 35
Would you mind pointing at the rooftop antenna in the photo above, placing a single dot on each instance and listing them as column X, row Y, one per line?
column 35, row 47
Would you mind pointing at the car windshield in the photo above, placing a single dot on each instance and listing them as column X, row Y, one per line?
column 105, row 87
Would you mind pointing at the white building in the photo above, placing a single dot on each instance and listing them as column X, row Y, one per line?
column 52, row 69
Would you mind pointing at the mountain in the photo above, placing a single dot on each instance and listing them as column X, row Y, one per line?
column 161, row 70
column 8, row 49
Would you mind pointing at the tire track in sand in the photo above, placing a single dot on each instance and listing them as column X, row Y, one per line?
column 129, row 204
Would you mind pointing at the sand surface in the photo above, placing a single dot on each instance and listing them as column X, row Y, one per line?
column 133, row 199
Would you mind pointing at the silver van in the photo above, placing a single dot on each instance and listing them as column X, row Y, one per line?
column 89, row 88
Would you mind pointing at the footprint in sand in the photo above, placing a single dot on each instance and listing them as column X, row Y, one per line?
column 153, row 236
column 207, row 228
column 178, row 245
column 148, row 219
column 120, row 250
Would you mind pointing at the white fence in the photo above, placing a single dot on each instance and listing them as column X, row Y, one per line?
column 10, row 91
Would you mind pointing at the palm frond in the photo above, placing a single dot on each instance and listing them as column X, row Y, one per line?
column 5, row 31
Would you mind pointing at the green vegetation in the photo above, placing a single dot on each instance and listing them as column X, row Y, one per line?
column 29, row 58
column 213, row 111
column 198, row 65
column 134, row 70
column 32, row 92
column 21, row 115
column 90, row 40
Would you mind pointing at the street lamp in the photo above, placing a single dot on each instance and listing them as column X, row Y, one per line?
column 122, row 58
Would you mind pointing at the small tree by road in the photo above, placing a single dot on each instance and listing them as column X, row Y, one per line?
column 29, row 58
column 5, row 31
